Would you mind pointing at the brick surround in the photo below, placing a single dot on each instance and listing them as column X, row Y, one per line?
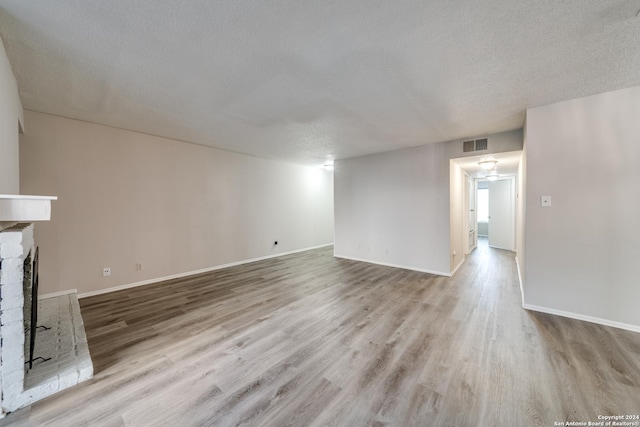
column 16, row 245
column 65, row 343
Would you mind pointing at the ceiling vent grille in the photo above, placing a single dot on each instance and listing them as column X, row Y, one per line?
column 477, row 145
column 481, row 144
column 468, row 146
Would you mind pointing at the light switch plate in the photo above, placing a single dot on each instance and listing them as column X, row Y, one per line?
column 545, row 201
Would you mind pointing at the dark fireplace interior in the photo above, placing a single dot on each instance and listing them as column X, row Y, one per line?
column 30, row 284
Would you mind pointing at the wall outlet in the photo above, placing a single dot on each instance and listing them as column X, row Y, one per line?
column 138, row 267
column 106, row 271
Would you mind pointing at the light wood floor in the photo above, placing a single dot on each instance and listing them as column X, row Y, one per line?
column 308, row 339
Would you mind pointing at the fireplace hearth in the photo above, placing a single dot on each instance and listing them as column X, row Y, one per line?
column 35, row 362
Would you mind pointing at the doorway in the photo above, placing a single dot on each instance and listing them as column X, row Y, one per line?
column 468, row 222
column 496, row 212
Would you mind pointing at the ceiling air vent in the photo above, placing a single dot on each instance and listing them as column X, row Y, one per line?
column 477, row 145
column 481, row 144
column 468, row 146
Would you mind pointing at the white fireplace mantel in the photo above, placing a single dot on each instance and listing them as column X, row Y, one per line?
column 23, row 208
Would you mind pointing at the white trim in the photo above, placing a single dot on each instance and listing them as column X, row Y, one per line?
column 26, row 197
column 598, row 320
column 193, row 272
column 520, row 279
column 58, row 294
column 502, row 249
column 458, row 266
column 421, row 270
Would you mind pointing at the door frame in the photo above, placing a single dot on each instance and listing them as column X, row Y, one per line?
column 470, row 235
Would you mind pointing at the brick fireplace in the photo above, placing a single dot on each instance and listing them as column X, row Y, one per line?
column 62, row 349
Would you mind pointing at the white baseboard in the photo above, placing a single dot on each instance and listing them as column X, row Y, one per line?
column 599, row 321
column 458, row 266
column 191, row 273
column 58, row 294
column 438, row 273
column 501, row 248
column 520, row 280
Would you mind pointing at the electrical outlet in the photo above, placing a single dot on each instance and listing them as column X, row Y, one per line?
column 138, row 267
column 106, row 271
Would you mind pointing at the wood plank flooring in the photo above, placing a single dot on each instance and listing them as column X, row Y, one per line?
column 311, row 340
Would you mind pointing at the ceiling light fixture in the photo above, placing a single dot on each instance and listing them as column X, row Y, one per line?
column 328, row 166
column 488, row 164
column 492, row 176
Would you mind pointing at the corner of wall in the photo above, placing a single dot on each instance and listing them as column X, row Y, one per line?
column 521, row 211
column 11, row 121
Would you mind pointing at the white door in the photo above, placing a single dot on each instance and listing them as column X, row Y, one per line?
column 501, row 214
column 471, row 207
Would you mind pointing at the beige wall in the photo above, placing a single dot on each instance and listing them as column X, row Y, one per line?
column 127, row 198
column 392, row 208
column 395, row 208
column 521, row 221
column 582, row 252
column 10, row 119
column 456, row 211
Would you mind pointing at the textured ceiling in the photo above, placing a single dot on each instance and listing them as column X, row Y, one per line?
column 303, row 81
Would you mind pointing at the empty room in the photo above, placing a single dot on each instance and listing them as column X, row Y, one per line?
column 288, row 213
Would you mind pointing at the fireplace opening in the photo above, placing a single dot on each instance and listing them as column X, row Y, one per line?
column 31, row 281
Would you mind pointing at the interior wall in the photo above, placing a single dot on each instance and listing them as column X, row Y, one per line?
column 502, row 142
column 521, row 220
column 456, row 211
column 174, row 207
column 581, row 253
column 11, row 118
column 394, row 208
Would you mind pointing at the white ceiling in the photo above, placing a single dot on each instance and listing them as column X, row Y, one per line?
column 303, row 81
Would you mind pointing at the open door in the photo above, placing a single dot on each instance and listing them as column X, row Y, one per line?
column 472, row 221
column 501, row 214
